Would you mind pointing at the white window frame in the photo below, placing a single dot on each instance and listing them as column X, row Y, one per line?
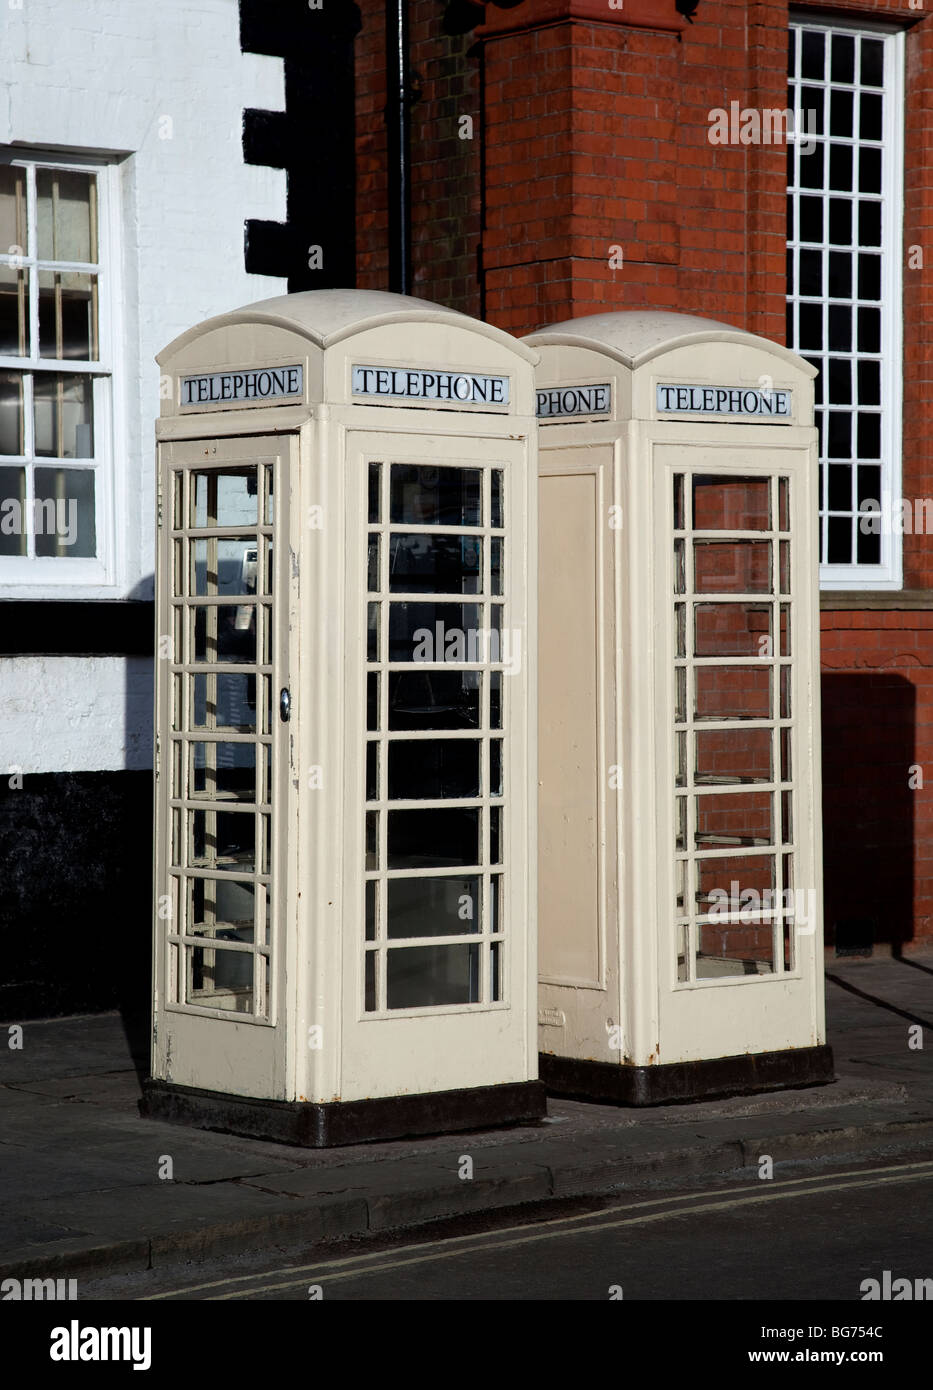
column 888, row 574
column 49, row 577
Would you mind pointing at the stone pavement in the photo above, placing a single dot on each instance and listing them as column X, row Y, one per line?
column 81, row 1192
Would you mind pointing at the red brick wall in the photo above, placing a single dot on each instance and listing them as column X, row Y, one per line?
column 446, row 193
column 592, row 133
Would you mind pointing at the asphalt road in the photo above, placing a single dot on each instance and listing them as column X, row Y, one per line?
column 813, row 1236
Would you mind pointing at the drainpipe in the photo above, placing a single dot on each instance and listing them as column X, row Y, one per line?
column 398, row 122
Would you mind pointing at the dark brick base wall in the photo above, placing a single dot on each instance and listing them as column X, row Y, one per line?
column 75, row 907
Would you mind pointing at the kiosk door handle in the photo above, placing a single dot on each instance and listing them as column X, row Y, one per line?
column 285, row 704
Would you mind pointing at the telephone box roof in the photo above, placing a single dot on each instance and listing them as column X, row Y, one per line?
column 635, row 336
column 327, row 316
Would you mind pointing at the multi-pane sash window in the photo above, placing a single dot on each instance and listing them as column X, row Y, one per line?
column 54, row 355
column 844, row 176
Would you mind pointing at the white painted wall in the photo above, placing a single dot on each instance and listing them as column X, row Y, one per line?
column 75, row 714
column 162, row 88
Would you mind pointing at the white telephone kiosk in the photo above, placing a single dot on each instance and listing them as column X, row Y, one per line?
column 345, row 862
column 680, row 903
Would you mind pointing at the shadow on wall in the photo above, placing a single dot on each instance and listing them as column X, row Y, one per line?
column 869, row 742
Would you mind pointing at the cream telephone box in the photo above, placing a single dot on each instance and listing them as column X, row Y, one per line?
column 345, row 866
column 680, row 933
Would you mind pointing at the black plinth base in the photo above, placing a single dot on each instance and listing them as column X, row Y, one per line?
column 609, row 1083
column 327, row 1126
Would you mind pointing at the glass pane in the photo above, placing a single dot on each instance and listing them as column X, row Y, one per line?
column 735, row 884
column 223, row 909
column 224, row 566
column 731, row 948
column 738, row 818
column 14, row 312
column 371, row 900
column 432, row 771
column 495, row 517
column 64, row 512
column 680, row 879
column 812, row 54
column 224, row 700
column 680, row 694
column 223, row 771
column 683, row 946
column 373, row 615
column 225, row 632
column 375, row 494
column 372, row 771
column 220, row 979
column 372, row 564
column 678, row 501
column 733, row 755
column 435, row 564
column 12, row 506
column 420, row 699
column 680, row 582
column 370, row 984
column 787, row 818
column 438, row 632
column 732, row 692
column 66, row 215
column 64, row 416
column 495, row 767
column 432, row 907
column 432, row 838
column 495, row 565
column 732, row 629
column 495, row 835
column 435, row 496
column 372, row 700
column 12, row 417
column 223, row 840
column 68, row 314
column 12, row 210
column 424, row 976
column 495, row 699
column 225, row 497
column 732, row 567
column 731, row 504
column 680, row 629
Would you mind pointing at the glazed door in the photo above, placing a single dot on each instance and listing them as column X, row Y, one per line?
column 738, row 666
column 223, row 753
column 438, row 585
